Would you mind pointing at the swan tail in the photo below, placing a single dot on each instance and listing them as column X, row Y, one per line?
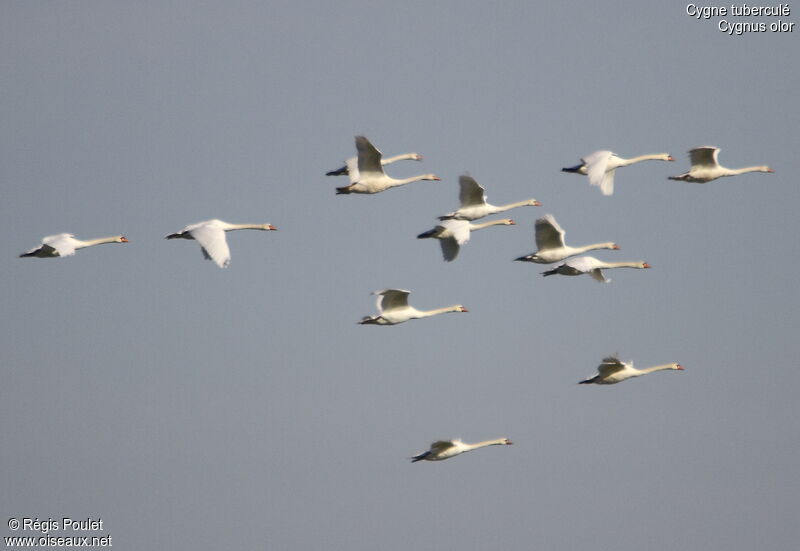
column 343, row 190
column 175, row 235
column 526, row 258
column 549, row 272
column 588, row 381
column 574, row 169
column 420, row 457
column 427, row 234
column 338, row 172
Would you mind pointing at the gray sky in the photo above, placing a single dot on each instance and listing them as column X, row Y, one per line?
column 196, row 408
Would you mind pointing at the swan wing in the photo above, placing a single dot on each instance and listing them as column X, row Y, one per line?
column 450, row 248
column 583, row 264
column 369, row 158
column 352, row 169
column 549, row 234
column 441, row 445
column 62, row 243
column 609, row 366
column 391, row 299
column 596, row 165
column 459, row 230
column 212, row 242
column 471, row 193
column 607, row 185
column 705, row 156
column 597, row 275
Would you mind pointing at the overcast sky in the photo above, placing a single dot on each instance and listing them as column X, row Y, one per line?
column 191, row 407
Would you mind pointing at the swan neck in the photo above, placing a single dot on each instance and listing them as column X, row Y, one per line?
column 495, row 442
column 655, row 368
column 246, row 227
column 640, row 158
column 587, row 248
column 98, row 241
column 622, row 265
column 733, row 171
column 445, row 310
column 482, row 225
column 403, row 157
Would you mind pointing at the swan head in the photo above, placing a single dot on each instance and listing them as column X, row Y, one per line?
column 679, row 367
column 534, row 203
column 614, row 247
column 122, row 239
column 416, row 157
column 645, row 265
column 767, row 169
column 269, row 227
column 508, row 222
column 507, row 442
column 431, row 177
column 669, row 158
column 460, row 308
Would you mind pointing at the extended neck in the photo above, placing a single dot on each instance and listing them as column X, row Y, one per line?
column 395, row 183
column 403, row 157
column 640, row 158
column 504, row 222
column 656, row 368
column 495, row 442
column 526, row 203
column 735, row 171
column 445, row 310
column 625, row 265
column 99, row 241
column 586, row 248
column 249, row 227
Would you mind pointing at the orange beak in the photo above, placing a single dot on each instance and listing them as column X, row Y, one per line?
column 124, row 239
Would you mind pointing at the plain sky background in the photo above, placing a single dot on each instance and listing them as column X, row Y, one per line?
column 196, row 408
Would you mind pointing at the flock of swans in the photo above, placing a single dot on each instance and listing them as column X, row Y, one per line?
column 366, row 174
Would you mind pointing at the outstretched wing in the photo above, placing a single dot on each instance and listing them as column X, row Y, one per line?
column 390, row 299
column 213, row 244
column 705, row 156
column 596, row 165
column 62, row 243
column 609, row 366
column 369, row 158
column 549, row 234
column 471, row 193
column 450, row 248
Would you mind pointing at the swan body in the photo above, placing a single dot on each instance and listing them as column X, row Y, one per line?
column 706, row 168
column 592, row 266
column 612, row 371
column 445, row 449
column 350, row 167
column 370, row 177
column 473, row 202
column 393, row 308
column 550, row 240
column 65, row 244
column 601, row 166
column 210, row 234
column 454, row 233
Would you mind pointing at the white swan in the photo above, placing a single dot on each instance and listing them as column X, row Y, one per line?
column 211, row 237
column 613, row 371
column 550, row 240
column 370, row 176
column 351, row 165
column 473, row 202
column 393, row 308
column 454, row 233
column 705, row 167
column 600, row 167
column 445, row 449
column 65, row 244
column 592, row 266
